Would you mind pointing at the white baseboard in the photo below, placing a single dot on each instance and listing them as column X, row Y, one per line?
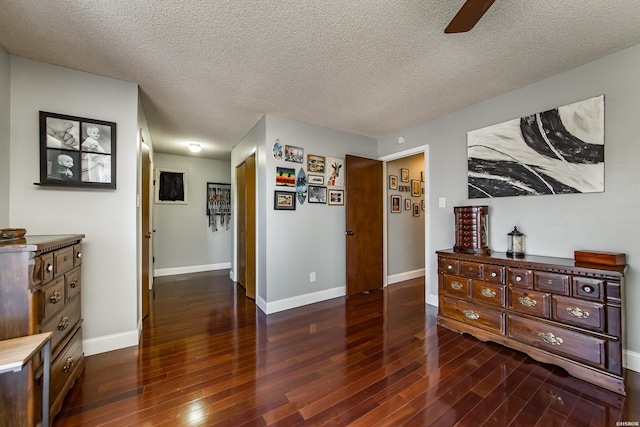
column 432, row 299
column 299, row 301
column 191, row 269
column 633, row 360
column 112, row 342
column 407, row 275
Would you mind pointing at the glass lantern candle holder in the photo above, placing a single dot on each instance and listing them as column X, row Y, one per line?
column 515, row 244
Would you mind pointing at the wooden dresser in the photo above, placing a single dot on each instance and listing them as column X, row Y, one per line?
column 40, row 284
column 552, row 309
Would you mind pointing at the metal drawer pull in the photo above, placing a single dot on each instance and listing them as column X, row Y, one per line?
column 449, row 267
column 518, row 278
column 587, row 288
column 488, row 293
column 79, row 255
column 527, row 302
column 549, row 338
column 73, row 283
column 577, row 313
column 64, row 323
column 455, row 285
column 68, row 364
column 471, row 315
column 494, row 274
column 55, row 297
column 549, row 282
column 49, row 267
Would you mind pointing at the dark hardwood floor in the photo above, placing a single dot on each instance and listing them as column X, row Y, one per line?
column 209, row 357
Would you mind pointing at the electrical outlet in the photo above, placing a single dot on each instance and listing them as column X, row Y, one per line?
column 312, row 276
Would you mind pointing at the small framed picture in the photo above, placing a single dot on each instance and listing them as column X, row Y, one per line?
column 336, row 197
column 315, row 164
column 393, row 182
column 395, row 204
column 407, row 204
column 415, row 188
column 416, row 209
column 317, row 194
column 293, row 154
column 404, row 175
column 284, row 200
column 315, row 179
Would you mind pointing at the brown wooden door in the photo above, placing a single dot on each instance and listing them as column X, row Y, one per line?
column 146, row 232
column 246, row 189
column 364, row 214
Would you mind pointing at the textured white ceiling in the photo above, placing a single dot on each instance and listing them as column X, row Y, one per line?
column 208, row 70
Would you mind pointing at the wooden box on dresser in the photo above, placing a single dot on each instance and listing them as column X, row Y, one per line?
column 552, row 309
column 40, row 292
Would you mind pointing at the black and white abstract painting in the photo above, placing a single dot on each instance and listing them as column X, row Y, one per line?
column 560, row 151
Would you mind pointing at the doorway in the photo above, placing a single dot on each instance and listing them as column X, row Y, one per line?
column 246, row 256
column 406, row 243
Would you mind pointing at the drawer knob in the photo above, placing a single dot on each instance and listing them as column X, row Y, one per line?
column 488, row 293
column 79, row 255
column 527, row 302
column 64, row 323
column 55, row 297
column 455, row 285
column 494, row 274
column 449, row 267
column 588, row 288
column 518, row 278
column 577, row 313
column 49, row 268
column 471, row 315
column 73, row 283
column 68, row 364
column 549, row 338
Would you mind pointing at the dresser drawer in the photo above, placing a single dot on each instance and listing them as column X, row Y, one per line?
column 63, row 260
column 586, row 314
column 480, row 317
column 72, row 283
column 493, row 273
column 530, row 302
column 557, row 340
column 46, row 268
column 449, row 266
column 457, row 285
column 64, row 365
column 473, row 270
column 77, row 254
column 520, row 278
column 587, row 288
column 63, row 322
column 551, row 282
column 489, row 293
column 53, row 297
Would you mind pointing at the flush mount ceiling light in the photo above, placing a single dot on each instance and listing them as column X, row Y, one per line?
column 195, row 148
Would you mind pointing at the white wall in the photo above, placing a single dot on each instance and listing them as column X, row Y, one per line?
column 183, row 240
column 311, row 238
column 5, row 114
column 106, row 217
column 559, row 224
column 405, row 232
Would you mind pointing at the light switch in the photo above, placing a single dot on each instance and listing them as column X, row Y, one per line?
column 442, row 202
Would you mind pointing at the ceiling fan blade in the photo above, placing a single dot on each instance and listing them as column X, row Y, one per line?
column 468, row 16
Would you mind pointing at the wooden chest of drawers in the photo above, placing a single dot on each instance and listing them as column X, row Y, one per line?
column 552, row 309
column 471, row 231
column 40, row 289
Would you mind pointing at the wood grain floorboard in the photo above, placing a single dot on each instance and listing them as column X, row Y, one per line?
column 208, row 356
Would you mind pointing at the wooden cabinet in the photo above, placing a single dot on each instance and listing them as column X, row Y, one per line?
column 40, row 290
column 471, row 229
column 553, row 309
